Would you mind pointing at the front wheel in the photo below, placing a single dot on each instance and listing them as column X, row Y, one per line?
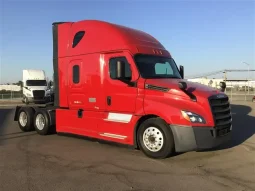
column 155, row 138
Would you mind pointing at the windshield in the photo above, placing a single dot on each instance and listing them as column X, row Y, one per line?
column 36, row 83
column 156, row 67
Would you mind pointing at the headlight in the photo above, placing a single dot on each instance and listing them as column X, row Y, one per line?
column 192, row 117
column 29, row 95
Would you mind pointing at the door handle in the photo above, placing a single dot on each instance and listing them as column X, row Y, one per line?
column 80, row 112
column 109, row 100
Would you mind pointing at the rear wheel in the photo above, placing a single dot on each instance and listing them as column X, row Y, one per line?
column 155, row 138
column 25, row 119
column 41, row 122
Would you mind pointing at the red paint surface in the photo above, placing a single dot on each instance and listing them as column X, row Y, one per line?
column 101, row 42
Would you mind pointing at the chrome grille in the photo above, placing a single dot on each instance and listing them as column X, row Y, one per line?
column 220, row 107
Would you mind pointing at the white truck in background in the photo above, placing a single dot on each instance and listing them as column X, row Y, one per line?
column 34, row 86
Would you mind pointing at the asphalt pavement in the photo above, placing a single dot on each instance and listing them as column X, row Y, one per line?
column 29, row 161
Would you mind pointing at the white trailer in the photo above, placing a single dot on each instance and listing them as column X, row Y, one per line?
column 34, row 86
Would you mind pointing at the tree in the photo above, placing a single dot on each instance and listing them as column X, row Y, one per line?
column 19, row 83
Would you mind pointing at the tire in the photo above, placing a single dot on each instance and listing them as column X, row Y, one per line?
column 163, row 132
column 41, row 122
column 25, row 119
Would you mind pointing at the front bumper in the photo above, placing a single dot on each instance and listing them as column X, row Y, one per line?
column 188, row 138
column 35, row 100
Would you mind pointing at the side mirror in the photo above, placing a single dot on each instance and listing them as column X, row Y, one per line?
column 182, row 85
column 182, row 71
column 223, row 86
column 120, row 70
column 49, row 85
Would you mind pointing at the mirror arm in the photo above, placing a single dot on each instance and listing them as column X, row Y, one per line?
column 129, row 83
column 132, row 84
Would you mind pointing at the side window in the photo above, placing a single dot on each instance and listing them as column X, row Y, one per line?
column 113, row 64
column 163, row 68
column 77, row 38
column 76, row 74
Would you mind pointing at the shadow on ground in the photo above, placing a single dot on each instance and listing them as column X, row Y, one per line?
column 7, row 133
column 243, row 126
column 4, row 114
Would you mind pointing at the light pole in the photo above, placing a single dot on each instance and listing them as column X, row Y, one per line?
column 248, row 77
column 248, row 69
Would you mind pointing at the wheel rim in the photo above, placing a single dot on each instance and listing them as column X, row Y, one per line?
column 40, row 121
column 153, row 139
column 23, row 119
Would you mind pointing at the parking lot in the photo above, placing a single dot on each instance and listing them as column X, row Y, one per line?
column 29, row 161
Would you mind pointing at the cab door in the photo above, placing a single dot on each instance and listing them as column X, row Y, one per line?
column 120, row 97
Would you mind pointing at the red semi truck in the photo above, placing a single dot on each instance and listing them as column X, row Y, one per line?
column 119, row 84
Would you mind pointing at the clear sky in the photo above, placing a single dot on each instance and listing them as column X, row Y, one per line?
column 204, row 36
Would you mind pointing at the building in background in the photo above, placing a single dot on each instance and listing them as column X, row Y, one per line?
column 14, row 88
column 209, row 82
column 238, row 85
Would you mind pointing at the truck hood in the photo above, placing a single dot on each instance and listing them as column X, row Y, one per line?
column 199, row 90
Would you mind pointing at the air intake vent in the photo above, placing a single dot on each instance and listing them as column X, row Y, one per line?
column 158, row 88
